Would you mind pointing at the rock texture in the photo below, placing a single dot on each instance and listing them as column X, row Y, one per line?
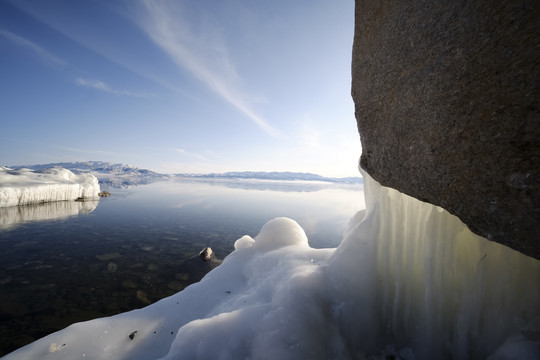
column 447, row 104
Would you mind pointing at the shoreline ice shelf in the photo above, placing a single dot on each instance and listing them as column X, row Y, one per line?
column 25, row 186
column 409, row 280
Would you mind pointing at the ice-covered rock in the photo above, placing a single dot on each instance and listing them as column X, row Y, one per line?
column 409, row 280
column 410, row 275
column 25, row 186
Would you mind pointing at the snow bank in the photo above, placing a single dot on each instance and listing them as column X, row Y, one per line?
column 25, row 186
column 409, row 279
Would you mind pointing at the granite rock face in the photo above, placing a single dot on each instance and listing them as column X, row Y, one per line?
column 446, row 99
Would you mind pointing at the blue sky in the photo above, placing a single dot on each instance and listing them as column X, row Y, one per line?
column 179, row 86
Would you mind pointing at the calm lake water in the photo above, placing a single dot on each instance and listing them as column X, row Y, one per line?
column 67, row 262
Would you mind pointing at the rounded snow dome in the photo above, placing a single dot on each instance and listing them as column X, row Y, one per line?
column 244, row 242
column 280, row 232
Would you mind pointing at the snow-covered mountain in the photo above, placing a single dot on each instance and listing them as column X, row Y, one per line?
column 94, row 166
column 122, row 175
column 279, row 175
column 115, row 175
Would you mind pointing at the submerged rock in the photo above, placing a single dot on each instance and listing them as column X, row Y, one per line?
column 129, row 284
column 112, row 267
column 108, row 256
column 175, row 285
column 143, row 297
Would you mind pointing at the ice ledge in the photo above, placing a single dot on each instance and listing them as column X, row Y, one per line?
column 419, row 279
column 25, row 186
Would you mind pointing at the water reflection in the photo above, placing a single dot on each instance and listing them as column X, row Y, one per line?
column 323, row 213
column 271, row 185
column 14, row 215
column 140, row 245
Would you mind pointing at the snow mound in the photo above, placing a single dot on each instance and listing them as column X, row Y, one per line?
column 25, row 186
column 409, row 281
column 274, row 234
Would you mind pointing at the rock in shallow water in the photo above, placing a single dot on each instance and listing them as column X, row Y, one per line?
column 206, row 254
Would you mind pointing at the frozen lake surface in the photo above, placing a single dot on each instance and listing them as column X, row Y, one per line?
column 67, row 262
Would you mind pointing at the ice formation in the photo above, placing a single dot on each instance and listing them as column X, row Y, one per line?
column 25, row 186
column 409, row 280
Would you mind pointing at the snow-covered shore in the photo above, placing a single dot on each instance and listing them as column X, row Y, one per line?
column 25, row 186
column 409, row 280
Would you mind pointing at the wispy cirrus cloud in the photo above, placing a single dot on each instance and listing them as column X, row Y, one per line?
column 100, row 45
column 52, row 60
column 200, row 52
column 190, row 154
column 88, row 151
column 100, row 85
column 44, row 55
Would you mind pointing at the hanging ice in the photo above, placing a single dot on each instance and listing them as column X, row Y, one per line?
column 25, row 186
column 409, row 279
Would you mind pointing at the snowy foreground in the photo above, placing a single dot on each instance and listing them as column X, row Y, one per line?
column 409, row 280
column 25, row 186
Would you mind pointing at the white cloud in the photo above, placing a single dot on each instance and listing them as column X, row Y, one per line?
column 99, row 45
column 50, row 59
column 177, row 167
column 42, row 54
column 202, row 53
column 100, row 85
column 95, row 84
column 190, row 154
column 88, row 151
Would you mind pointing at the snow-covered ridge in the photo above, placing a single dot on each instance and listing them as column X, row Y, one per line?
column 108, row 174
column 122, row 175
column 25, row 186
column 277, row 175
column 409, row 281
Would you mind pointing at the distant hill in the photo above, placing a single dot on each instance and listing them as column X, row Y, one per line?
column 126, row 175
column 277, row 175
column 117, row 175
column 94, row 166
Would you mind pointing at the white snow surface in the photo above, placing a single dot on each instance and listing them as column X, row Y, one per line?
column 25, row 186
column 408, row 280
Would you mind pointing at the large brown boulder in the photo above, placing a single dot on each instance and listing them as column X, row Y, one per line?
column 447, row 104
